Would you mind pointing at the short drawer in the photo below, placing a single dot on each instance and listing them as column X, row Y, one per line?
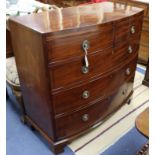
column 88, row 93
column 99, row 63
column 136, row 23
column 88, row 117
column 69, row 45
column 128, row 28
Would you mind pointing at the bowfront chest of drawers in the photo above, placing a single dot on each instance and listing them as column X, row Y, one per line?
column 76, row 66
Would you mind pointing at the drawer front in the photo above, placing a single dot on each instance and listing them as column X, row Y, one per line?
column 125, row 51
column 99, row 63
column 70, row 45
column 83, row 95
column 128, row 27
column 79, row 121
column 136, row 23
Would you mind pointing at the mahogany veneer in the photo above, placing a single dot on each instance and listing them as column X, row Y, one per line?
column 64, row 96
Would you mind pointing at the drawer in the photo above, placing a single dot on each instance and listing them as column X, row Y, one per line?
column 136, row 23
column 86, row 118
column 69, row 45
column 99, row 63
column 128, row 27
column 88, row 93
column 125, row 51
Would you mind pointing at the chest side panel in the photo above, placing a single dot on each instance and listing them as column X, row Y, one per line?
column 31, row 66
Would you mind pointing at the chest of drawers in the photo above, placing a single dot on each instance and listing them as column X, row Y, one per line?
column 76, row 66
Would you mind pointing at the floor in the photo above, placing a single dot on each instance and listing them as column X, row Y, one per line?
column 23, row 141
column 128, row 144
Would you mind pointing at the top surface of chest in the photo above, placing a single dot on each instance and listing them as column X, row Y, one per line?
column 73, row 18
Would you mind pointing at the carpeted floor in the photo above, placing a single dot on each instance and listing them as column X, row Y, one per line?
column 129, row 144
column 22, row 141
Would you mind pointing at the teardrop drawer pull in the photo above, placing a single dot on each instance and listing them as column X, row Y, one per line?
column 130, row 49
column 85, row 117
column 85, row 46
column 85, row 94
column 85, row 70
column 132, row 29
column 128, row 71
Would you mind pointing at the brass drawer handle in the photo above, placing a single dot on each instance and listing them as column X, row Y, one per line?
column 85, row 94
column 133, row 30
column 85, row 117
column 128, row 71
column 85, row 70
column 85, row 46
column 130, row 49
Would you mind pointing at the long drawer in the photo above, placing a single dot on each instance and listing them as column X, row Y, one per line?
column 70, row 44
column 87, row 117
column 88, row 93
column 99, row 63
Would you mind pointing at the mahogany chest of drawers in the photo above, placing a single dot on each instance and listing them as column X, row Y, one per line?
column 76, row 66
